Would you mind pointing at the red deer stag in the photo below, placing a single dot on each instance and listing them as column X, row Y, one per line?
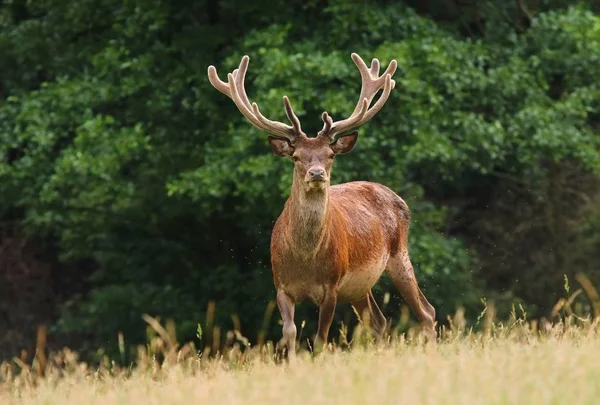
column 332, row 243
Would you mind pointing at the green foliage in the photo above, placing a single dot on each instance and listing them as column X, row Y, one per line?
column 120, row 306
column 116, row 151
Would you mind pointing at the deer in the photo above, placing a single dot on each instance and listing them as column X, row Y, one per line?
column 331, row 244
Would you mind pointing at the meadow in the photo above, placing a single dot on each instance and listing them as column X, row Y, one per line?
column 517, row 361
column 129, row 185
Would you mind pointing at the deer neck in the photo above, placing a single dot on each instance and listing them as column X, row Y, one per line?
column 309, row 214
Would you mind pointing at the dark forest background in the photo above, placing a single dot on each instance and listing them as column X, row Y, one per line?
column 128, row 185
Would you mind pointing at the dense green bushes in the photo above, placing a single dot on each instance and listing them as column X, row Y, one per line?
column 121, row 160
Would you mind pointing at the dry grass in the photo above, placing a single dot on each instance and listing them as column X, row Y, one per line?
column 554, row 371
column 516, row 362
column 517, row 366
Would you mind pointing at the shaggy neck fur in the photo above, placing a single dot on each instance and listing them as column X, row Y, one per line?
column 308, row 217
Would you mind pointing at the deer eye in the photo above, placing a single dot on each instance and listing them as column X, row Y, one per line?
column 295, row 158
column 331, row 155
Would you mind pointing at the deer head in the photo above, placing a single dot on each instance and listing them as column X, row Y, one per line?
column 312, row 157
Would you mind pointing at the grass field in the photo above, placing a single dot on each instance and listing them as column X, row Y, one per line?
column 514, row 363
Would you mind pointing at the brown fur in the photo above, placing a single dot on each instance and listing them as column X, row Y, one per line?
column 331, row 244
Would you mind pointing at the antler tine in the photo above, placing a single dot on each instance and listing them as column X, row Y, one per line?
column 289, row 111
column 374, row 70
column 389, row 84
column 327, row 121
column 371, row 84
column 234, row 88
column 275, row 127
column 331, row 128
column 217, row 83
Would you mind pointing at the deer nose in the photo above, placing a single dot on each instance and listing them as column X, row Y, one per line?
column 316, row 174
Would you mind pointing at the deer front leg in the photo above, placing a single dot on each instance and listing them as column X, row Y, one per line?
column 286, row 308
column 326, row 312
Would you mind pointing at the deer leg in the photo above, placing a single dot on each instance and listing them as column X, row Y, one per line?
column 286, row 308
column 326, row 312
column 379, row 321
column 367, row 305
column 401, row 272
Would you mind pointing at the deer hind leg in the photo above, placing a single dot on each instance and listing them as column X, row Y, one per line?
column 368, row 306
column 286, row 308
column 401, row 271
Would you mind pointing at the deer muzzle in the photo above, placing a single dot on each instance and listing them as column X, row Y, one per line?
column 317, row 175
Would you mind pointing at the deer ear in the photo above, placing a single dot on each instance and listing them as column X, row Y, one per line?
column 344, row 144
column 281, row 147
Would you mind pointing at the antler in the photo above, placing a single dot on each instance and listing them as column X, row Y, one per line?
column 234, row 89
column 371, row 83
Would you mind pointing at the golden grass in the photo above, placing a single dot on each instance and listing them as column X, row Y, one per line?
column 514, row 364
